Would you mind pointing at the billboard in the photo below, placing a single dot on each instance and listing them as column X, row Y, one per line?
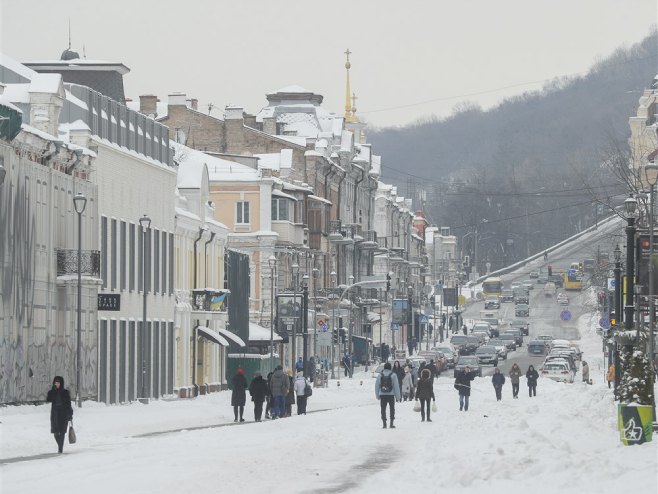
column 449, row 297
column 401, row 313
column 644, row 258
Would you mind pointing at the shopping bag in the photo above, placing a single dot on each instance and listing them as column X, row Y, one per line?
column 434, row 406
column 417, row 407
column 72, row 437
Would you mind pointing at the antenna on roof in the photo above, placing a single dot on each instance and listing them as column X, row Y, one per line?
column 84, row 52
column 210, row 107
column 69, row 33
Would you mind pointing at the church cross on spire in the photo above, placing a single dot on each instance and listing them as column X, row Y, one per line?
column 348, row 103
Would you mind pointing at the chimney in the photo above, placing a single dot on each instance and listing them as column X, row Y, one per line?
column 177, row 99
column 194, row 103
column 46, row 102
column 148, row 104
column 234, row 113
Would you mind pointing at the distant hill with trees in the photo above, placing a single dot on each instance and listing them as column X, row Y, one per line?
column 528, row 172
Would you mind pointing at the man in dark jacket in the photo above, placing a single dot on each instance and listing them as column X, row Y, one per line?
column 258, row 391
column 238, row 394
column 279, row 385
column 532, row 375
column 498, row 380
column 61, row 411
column 387, row 390
column 463, row 386
column 424, row 392
column 268, row 397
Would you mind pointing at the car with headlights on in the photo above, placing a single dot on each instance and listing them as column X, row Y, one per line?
column 510, row 341
column 522, row 310
column 507, row 296
column 487, row 354
column 500, row 346
column 491, row 302
column 521, row 324
column 517, row 334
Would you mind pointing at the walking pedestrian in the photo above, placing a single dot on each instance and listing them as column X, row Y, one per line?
column 258, row 390
column 515, row 376
column 532, row 375
column 586, row 373
column 451, row 324
column 463, row 386
column 300, row 390
column 347, row 364
column 238, row 394
column 498, row 380
column 407, row 384
column 269, row 400
column 61, row 411
column 279, row 385
column 464, row 329
column 387, row 390
column 399, row 373
column 290, row 397
column 611, row 374
column 410, row 346
column 425, row 392
column 299, row 365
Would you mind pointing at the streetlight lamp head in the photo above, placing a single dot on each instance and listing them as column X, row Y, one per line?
column 3, row 172
column 651, row 173
column 333, row 277
column 145, row 222
column 351, row 279
column 617, row 253
column 295, row 269
column 271, row 261
column 79, row 202
column 631, row 205
column 316, row 273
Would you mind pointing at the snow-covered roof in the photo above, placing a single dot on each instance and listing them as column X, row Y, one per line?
column 292, row 89
column 259, row 333
column 275, row 161
column 46, row 83
column 219, row 169
column 280, row 193
column 161, row 108
column 16, row 67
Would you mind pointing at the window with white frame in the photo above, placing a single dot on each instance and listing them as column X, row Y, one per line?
column 242, row 212
column 280, row 209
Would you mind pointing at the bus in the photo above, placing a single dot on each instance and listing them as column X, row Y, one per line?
column 572, row 280
column 492, row 287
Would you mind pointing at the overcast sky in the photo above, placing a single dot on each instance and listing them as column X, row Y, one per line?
column 404, row 52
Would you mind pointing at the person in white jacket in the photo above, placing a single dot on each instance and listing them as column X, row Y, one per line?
column 300, row 390
column 407, row 385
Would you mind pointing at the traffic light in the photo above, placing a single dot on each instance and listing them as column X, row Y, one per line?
column 334, row 336
column 343, row 335
column 467, row 261
column 388, row 282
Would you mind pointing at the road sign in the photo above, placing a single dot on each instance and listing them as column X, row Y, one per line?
column 565, row 315
column 320, row 322
column 611, row 283
column 604, row 322
column 324, row 328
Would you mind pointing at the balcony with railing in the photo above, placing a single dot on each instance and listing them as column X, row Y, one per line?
column 67, row 262
column 210, row 304
column 340, row 233
column 369, row 240
column 289, row 233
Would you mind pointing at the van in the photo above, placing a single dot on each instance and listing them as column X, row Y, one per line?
column 550, row 289
column 575, row 266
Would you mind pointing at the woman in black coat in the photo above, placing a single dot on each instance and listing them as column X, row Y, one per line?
column 239, row 395
column 425, row 392
column 258, row 390
column 61, row 411
column 532, row 375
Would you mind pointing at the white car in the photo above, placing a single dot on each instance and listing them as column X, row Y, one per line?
column 558, row 371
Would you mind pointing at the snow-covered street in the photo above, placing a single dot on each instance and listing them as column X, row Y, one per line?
column 564, row 440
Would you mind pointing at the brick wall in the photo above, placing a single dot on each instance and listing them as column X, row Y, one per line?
column 202, row 132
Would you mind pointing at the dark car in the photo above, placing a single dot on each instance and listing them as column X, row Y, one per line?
column 521, row 324
column 521, row 296
column 487, row 354
column 542, row 279
column 537, row 348
column 522, row 310
column 517, row 334
column 557, row 279
column 468, row 361
column 468, row 348
column 509, row 339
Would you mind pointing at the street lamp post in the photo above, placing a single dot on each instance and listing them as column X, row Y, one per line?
column 350, row 278
column 293, row 348
column 631, row 206
column 304, row 328
column 79, row 202
column 145, row 223
column 271, row 261
column 333, row 326
column 617, row 271
column 316, row 277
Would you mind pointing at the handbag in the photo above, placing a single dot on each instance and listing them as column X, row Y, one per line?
column 417, row 407
column 308, row 390
column 434, row 406
column 72, row 437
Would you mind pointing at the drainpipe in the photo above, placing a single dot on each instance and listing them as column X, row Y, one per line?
column 78, row 157
column 356, row 187
column 58, row 147
column 340, row 198
column 205, row 256
column 195, row 332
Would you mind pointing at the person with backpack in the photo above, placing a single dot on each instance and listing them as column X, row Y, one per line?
column 387, row 390
column 515, row 377
column 424, row 392
column 279, row 385
column 258, row 391
column 300, row 390
column 532, row 375
column 498, row 380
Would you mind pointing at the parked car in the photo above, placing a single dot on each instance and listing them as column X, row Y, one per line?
column 507, row 296
column 510, row 341
column 563, row 299
column 567, row 345
column 542, row 279
column 487, row 354
column 377, row 370
column 491, row 303
column 522, row 310
column 528, row 284
column 468, row 361
column 534, row 274
column 558, row 371
column 449, row 353
column 437, row 357
column 500, row 346
column 563, row 357
column 517, row 334
column 537, row 348
column 521, row 324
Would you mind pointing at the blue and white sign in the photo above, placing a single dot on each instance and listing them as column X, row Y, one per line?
column 565, row 315
column 604, row 322
column 611, row 283
column 324, row 328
